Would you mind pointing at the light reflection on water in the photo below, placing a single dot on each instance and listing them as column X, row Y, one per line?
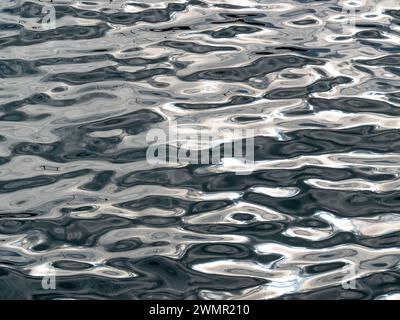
column 318, row 84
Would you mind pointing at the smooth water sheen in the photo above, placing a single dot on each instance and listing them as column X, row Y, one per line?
column 78, row 196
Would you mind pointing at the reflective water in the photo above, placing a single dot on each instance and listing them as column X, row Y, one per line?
column 317, row 81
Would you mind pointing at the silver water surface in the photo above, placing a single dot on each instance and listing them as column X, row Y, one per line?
column 318, row 217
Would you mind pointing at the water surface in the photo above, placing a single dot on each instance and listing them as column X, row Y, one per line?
column 318, row 217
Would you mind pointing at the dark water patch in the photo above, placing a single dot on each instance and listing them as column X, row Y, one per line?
column 341, row 203
column 186, row 178
column 323, row 267
column 28, row 37
column 77, row 190
column 45, row 99
column 34, row 10
column 17, row 68
column 259, row 67
column 305, row 22
column 320, row 141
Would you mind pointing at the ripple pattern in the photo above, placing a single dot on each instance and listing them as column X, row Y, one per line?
column 320, row 210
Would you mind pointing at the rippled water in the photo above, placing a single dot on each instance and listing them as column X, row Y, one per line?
column 319, row 217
